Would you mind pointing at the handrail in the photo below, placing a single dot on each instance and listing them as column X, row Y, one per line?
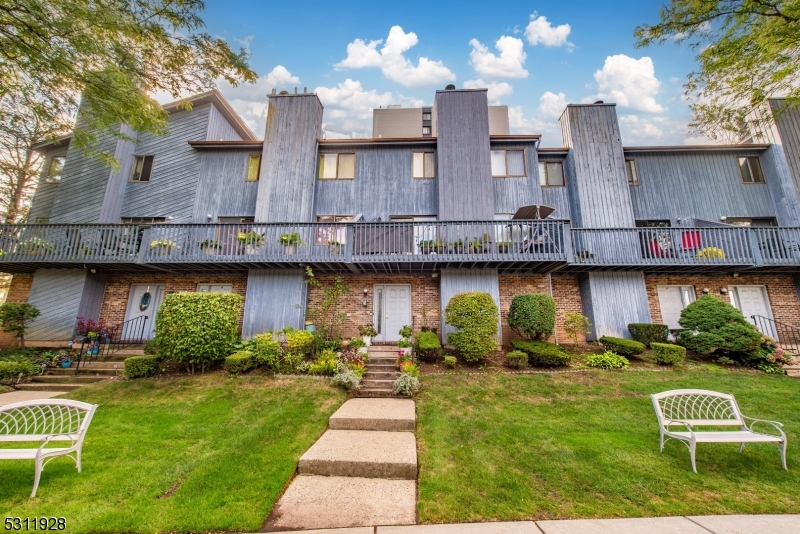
column 119, row 337
column 788, row 336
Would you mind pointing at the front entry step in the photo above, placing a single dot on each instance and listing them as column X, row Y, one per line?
column 389, row 415
column 44, row 386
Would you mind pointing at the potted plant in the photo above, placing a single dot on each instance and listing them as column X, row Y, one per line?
column 335, row 247
column 163, row 245
column 367, row 332
column 430, row 246
column 290, row 243
column 64, row 359
column 478, row 245
column 209, row 247
column 457, row 246
column 504, row 247
column 251, row 240
column 35, row 246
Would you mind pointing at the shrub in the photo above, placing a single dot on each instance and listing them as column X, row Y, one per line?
column 576, row 325
column 607, row 360
column 11, row 370
column 649, row 333
column 428, row 346
column 533, row 316
column 348, row 379
column 516, row 359
column 151, row 347
column 240, row 362
column 14, row 318
column 299, row 341
column 626, row 347
column 719, row 327
column 450, row 361
column 668, row 354
column 325, row 364
column 474, row 316
column 356, row 343
column 409, row 369
column 198, row 328
column 142, row 366
column 542, row 353
column 405, row 384
column 268, row 352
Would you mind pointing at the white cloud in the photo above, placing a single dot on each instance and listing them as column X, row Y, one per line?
column 496, row 90
column 509, row 64
column 549, row 129
column 552, row 105
column 636, row 129
column 629, row 82
column 280, row 78
column 348, row 106
column 394, row 65
column 540, row 31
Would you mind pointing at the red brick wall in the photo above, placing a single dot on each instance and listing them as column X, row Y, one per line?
column 566, row 293
column 780, row 290
column 424, row 292
column 18, row 292
column 118, row 288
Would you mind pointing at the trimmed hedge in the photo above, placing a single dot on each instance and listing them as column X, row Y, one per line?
column 11, row 370
column 516, row 359
column 533, row 315
column 429, row 348
column 475, row 317
column 649, row 333
column 542, row 353
column 668, row 354
column 626, row 347
column 240, row 362
column 142, row 366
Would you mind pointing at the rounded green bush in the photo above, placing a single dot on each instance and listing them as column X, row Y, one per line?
column 542, row 353
column 142, row 366
column 533, row 315
column 649, row 333
column 628, row 347
column 719, row 327
column 240, row 362
column 429, row 347
column 517, row 359
column 607, row 360
column 475, row 317
column 668, row 354
column 450, row 361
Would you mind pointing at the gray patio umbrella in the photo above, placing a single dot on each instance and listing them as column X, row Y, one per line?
column 534, row 211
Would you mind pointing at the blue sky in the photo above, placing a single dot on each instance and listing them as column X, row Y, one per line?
column 533, row 56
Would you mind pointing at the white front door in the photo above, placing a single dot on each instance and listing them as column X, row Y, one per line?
column 144, row 299
column 752, row 300
column 673, row 299
column 392, row 311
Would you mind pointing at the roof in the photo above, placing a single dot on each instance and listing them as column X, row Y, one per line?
column 354, row 142
column 43, row 146
column 697, row 148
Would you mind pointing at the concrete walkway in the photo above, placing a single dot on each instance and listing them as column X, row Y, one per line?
column 361, row 472
column 19, row 396
column 709, row 524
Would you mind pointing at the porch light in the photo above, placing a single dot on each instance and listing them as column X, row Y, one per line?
column 706, row 291
column 365, row 292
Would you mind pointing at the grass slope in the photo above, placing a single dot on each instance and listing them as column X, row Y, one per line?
column 177, row 455
column 505, row 447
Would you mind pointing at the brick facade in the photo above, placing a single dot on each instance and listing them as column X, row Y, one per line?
column 424, row 293
column 566, row 293
column 18, row 292
column 780, row 290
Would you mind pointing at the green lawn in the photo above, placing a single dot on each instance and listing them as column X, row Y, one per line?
column 512, row 447
column 205, row 453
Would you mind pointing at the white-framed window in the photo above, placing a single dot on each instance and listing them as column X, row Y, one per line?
column 141, row 169
column 507, row 163
column 426, row 116
column 426, row 130
column 337, row 166
column 41, row 220
column 143, row 220
column 326, row 235
column 423, row 165
column 253, row 167
column 215, row 288
column 750, row 169
column 551, row 174
column 55, row 169
column 632, row 172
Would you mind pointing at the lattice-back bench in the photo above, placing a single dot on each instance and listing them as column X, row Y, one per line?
column 692, row 408
column 45, row 420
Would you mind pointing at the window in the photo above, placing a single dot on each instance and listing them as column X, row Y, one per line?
column 551, row 173
column 142, row 168
column 744, row 221
column 253, row 167
column 508, row 163
column 41, row 220
column 215, row 288
column 426, row 130
column 632, row 172
column 750, row 167
column 143, row 220
column 337, row 166
column 424, row 165
column 331, row 234
column 235, row 220
column 426, row 116
column 653, row 224
column 55, row 169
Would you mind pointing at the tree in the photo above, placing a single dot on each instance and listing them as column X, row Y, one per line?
column 748, row 51
column 14, row 318
column 108, row 58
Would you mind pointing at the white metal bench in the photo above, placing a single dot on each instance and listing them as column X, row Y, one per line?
column 690, row 408
column 46, row 420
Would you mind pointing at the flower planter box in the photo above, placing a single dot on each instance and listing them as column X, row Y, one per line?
column 252, row 250
column 209, row 251
column 290, row 250
column 335, row 250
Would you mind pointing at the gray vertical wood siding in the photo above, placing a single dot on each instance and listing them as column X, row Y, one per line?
column 455, row 281
column 92, row 298
column 383, row 185
column 117, row 180
column 275, row 299
column 57, row 293
column 219, row 129
column 598, row 184
column 45, row 194
column 176, row 168
column 613, row 300
column 222, row 189
column 289, row 158
column 788, row 124
column 703, row 185
column 463, row 159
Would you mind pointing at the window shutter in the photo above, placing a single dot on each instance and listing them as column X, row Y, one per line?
column 347, row 166
column 430, row 165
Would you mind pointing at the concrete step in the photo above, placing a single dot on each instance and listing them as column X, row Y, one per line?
column 792, row 370
column 47, row 387
column 362, row 453
column 372, row 393
column 129, row 352
column 390, row 415
column 381, row 365
column 48, row 344
column 381, row 375
column 70, row 371
column 55, row 379
column 315, row 502
column 382, row 350
column 382, row 360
